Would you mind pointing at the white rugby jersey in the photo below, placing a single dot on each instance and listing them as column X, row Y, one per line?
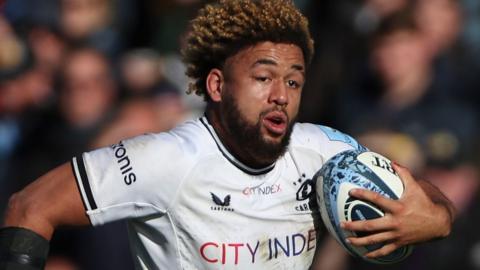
column 191, row 204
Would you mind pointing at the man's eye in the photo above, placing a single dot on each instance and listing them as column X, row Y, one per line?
column 293, row 84
column 262, row 79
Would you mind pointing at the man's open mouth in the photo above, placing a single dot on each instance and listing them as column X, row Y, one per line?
column 276, row 122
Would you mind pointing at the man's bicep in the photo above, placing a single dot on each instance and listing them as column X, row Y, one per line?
column 50, row 201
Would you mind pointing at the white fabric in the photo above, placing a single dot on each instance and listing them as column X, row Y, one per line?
column 192, row 205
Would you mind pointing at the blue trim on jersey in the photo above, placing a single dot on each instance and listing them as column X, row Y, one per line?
column 335, row 135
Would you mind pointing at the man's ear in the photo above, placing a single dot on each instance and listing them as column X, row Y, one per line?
column 215, row 81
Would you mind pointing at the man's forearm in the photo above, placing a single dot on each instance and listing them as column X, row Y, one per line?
column 439, row 199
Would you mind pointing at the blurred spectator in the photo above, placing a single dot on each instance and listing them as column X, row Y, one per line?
column 141, row 71
column 168, row 26
column 342, row 31
column 143, row 115
column 23, row 92
column 48, row 48
column 441, row 24
column 407, row 113
column 81, row 18
column 86, row 99
column 86, row 96
column 372, row 12
column 95, row 23
column 405, row 94
column 152, row 103
column 88, row 89
column 13, row 52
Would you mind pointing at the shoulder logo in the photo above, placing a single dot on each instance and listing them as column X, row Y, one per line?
column 221, row 205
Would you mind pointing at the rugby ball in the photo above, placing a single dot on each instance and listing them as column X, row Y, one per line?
column 356, row 169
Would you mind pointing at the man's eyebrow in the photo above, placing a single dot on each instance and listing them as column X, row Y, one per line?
column 264, row 61
column 298, row 67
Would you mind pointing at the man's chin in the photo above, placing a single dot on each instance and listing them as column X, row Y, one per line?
column 272, row 139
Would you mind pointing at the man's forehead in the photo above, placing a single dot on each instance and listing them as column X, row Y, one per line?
column 269, row 53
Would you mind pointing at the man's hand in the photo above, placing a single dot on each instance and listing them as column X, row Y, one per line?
column 422, row 213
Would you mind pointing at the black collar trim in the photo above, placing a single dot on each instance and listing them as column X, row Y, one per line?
column 229, row 156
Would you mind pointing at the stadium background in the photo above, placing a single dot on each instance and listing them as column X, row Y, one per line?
column 400, row 75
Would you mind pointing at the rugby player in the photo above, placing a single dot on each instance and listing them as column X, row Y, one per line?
column 232, row 189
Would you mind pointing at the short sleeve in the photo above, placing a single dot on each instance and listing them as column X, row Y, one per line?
column 133, row 178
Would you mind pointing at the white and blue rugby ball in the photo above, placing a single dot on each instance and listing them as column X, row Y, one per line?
column 357, row 169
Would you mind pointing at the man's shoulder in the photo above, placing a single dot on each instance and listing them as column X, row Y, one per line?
column 190, row 135
column 321, row 137
column 187, row 140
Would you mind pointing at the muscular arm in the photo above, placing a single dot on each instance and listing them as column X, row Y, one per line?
column 51, row 201
column 440, row 199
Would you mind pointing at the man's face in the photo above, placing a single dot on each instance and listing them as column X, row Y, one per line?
column 261, row 96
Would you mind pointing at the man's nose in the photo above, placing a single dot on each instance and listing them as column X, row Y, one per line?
column 278, row 94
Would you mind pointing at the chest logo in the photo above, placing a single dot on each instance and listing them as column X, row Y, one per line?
column 221, row 205
column 218, row 201
column 305, row 194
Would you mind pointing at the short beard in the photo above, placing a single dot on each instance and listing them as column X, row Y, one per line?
column 248, row 137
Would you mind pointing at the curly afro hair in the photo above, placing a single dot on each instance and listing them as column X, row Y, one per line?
column 222, row 29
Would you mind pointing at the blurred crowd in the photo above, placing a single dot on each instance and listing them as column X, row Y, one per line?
column 399, row 75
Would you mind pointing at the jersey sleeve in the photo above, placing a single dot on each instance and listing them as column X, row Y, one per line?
column 133, row 178
column 325, row 140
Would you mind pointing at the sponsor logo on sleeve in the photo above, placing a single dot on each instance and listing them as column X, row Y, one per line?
column 124, row 163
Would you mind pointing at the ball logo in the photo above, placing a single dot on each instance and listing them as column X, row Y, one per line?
column 383, row 163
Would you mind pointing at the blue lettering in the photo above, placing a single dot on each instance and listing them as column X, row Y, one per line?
column 269, row 248
column 254, row 251
column 298, row 235
column 285, row 250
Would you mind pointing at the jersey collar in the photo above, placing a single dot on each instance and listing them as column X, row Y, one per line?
column 229, row 156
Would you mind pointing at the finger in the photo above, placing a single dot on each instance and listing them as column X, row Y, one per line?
column 383, row 251
column 371, row 225
column 372, row 239
column 403, row 172
column 388, row 205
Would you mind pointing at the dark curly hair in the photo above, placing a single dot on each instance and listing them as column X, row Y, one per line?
column 222, row 29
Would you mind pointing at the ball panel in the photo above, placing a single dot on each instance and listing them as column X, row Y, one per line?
column 382, row 167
